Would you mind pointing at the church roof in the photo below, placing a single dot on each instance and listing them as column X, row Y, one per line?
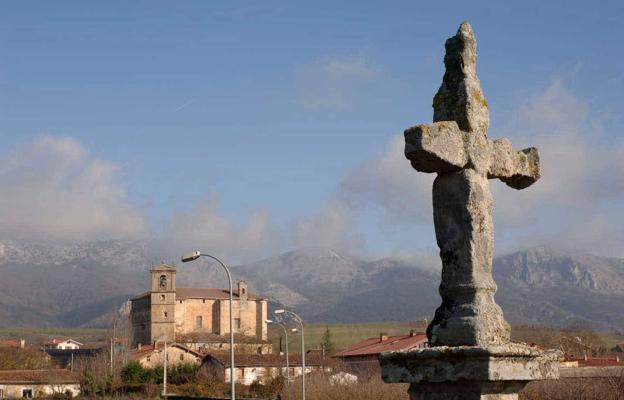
column 204, row 293
column 163, row 267
column 209, row 293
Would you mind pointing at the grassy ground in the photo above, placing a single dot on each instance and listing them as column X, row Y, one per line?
column 342, row 335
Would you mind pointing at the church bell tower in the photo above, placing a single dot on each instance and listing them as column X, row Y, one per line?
column 163, row 297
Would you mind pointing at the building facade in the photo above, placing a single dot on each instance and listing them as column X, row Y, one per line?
column 62, row 344
column 167, row 313
column 16, row 384
column 250, row 368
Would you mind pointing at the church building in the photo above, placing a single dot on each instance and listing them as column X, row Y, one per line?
column 167, row 313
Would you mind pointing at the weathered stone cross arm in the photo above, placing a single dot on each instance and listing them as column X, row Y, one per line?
column 443, row 147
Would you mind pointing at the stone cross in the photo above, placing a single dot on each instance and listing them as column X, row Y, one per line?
column 471, row 357
column 456, row 147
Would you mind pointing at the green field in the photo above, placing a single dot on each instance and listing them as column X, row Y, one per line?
column 342, row 335
column 35, row 336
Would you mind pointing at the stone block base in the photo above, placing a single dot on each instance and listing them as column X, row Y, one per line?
column 468, row 372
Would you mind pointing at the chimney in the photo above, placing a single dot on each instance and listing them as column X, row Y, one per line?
column 242, row 290
column 22, row 343
column 139, row 346
column 383, row 337
column 412, row 333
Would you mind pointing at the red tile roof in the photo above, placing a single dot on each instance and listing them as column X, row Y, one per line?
column 13, row 344
column 38, row 376
column 375, row 346
column 599, row 362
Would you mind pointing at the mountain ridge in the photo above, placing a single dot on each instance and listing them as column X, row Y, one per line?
column 83, row 284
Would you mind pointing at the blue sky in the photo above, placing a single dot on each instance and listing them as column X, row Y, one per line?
column 272, row 125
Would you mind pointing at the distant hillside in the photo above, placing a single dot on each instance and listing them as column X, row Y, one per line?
column 81, row 285
column 544, row 286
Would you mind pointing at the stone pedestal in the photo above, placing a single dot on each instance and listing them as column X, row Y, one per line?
column 496, row 372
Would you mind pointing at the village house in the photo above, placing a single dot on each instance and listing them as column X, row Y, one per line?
column 150, row 356
column 168, row 313
column 363, row 357
column 250, row 368
column 37, row 383
column 62, row 344
column 14, row 352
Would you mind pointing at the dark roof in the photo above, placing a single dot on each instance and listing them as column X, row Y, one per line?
column 375, row 346
column 263, row 360
column 38, row 376
column 204, row 293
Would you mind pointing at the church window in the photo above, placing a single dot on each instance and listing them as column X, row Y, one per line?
column 181, row 357
column 163, row 282
column 243, row 291
column 162, row 297
column 236, row 324
column 165, row 314
column 199, row 321
column 27, row 393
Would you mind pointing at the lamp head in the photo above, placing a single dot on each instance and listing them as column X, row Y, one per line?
column 268, row 321
column 280, row 311
column 191, row 256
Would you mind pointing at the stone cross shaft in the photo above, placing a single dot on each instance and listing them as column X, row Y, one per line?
column 456, row 147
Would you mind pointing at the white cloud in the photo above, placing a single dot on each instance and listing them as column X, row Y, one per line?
column 334, row 83
column 331, row 227
column 389, row 182
column 204, row 227
column 573, row 205
column 52, row 190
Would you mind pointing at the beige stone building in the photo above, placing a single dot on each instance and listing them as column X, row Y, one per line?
column 168, row 313
column 150, row 356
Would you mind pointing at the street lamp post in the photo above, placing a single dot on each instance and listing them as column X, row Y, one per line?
column 112, row 347
column 300, row 321
column 194, row 256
